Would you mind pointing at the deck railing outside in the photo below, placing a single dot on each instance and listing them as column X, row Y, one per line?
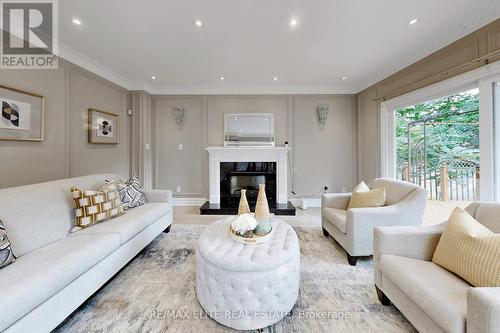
column 458, row 182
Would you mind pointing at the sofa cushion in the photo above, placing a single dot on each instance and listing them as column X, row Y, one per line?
column 361, row 187
column 39, row 214
column 93, row 207
column 437, row 292
column 130, row 224
column 6, row 255
column 470, row 250
column 373, row 198
column 337, row 217
column 37, row 276
column 131, row 192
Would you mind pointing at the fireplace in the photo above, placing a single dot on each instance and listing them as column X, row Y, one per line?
column 231, row 169
column 236, row 176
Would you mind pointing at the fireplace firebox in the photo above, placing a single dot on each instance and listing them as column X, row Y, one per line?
column 236, row 176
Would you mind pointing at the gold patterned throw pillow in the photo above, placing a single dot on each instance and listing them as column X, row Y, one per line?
column 470, row 250
column 92, row 207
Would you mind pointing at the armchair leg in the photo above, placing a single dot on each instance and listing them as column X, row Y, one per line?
column 382, row 297
column 352, row 260
column 167, row 230
column 325, row 233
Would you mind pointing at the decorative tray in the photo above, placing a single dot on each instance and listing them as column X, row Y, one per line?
column 254, row 240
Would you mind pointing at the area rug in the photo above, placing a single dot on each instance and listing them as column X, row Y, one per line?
column 155, row 292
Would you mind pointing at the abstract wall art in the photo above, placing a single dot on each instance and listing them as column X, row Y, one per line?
column 22, row 116
column 103, row 127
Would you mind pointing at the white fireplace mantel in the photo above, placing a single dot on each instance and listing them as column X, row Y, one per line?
column 216, row 155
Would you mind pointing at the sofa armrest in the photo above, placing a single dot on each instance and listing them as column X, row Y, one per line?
column 158, row 196
column 483, row 310
column 411, row 242
column 336, row 200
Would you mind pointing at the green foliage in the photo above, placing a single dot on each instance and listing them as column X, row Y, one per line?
column 452, row 130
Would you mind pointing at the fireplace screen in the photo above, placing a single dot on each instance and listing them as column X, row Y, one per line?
column 249, row 183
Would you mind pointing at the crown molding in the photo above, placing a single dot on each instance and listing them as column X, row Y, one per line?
column 93, row 66
column 251, row 90
column 77, row 58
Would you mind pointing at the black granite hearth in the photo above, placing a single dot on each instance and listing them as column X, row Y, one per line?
column 232, row 209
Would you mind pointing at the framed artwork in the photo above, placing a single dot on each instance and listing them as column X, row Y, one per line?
column 22, row 117
column 103, row 127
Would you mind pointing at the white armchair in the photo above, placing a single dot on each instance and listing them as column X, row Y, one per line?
column 431, row 298
column 353, row 228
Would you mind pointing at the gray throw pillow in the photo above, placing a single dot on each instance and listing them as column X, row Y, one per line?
column 6, row 255
column 131, row 193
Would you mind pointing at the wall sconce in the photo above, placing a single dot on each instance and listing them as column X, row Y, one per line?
column 322, row 111
column 179, row 116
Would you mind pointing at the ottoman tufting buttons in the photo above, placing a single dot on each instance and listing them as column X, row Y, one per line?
column 247, row 279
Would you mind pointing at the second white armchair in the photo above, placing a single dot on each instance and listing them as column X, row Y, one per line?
column 353, row 228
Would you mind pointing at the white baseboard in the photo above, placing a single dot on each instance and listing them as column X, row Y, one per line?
column 189, row 202
column 310, row 202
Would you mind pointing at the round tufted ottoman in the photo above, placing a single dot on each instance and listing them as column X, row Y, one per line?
column 247, row 286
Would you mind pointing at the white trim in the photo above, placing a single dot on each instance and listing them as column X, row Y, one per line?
column 246, row 90
column 89, row 64
column 312, row 202
column 486, row 144
column 188, row 202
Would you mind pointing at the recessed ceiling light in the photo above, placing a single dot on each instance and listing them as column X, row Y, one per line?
column 154, row 77
column 343, row 78
column 414, row 21
column 275, row 78
column 222, row 78
column 294, row 22
column 77, row 21
column 198, row 23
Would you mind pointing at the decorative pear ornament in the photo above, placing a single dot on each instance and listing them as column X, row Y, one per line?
column 262, row 214
column 243, row 207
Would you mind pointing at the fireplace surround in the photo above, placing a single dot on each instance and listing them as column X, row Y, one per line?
column 234, row 168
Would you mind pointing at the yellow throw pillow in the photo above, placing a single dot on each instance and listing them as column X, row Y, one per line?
column 362, row 187
column 92, row 207
column 470, row 250
column 362, row 196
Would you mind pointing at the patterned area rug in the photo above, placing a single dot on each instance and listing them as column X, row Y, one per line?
column 156, row 293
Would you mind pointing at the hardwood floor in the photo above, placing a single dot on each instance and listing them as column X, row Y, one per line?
column 436, row 212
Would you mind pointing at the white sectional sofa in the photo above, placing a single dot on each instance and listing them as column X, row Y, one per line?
column 56, row 270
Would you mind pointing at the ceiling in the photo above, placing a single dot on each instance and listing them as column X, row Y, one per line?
column 251, row 42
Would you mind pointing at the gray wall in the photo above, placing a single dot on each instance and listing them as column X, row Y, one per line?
column 319, row 156
column 69, row 92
